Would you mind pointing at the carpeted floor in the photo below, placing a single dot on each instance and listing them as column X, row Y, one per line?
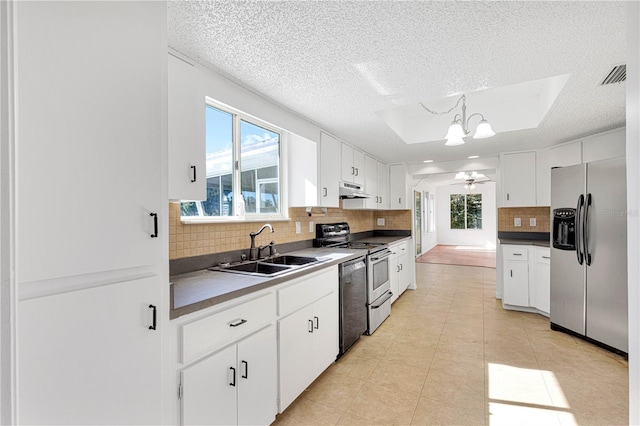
column 460, row 255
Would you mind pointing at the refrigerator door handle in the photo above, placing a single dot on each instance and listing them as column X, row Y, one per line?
column 577, row 231
column 585, row 230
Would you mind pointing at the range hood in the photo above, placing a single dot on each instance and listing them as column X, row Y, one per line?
column 352, row 190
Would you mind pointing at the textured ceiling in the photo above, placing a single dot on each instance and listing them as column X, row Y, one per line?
column 337, row 63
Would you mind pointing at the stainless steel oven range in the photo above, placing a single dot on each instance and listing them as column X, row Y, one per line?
column 378, row 294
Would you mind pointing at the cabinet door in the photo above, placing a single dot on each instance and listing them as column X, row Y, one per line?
column 89, row 356
column 383, row 186
column 325, row 332
column 518, row 177
column 257, row 377
column 303, row 172
column 359, row 166
column 89, row 128
column 371, row 182
column 516, row 283
column 329, row 171
column 186, row 126
column 397, row 187
column 209, row 390
column 403, row 274
column 542, row 276
column 296, row 355
column 348, row 169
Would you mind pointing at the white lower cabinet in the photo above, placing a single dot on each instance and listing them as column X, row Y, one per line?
column 237, row 385
column 308, row 337
column 91, row 356
column 400, row 272
column 542, row 279
column 526, row 278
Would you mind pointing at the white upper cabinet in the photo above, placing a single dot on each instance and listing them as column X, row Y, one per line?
column 383, row 186
column 89, row 125
column 376, row 185
column 302, row 164
column 518, row 179
column 186, row 126
column 398, row 187
column 353, row 165
column 329, row 171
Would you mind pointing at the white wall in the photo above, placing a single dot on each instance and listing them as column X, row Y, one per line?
column 480, row 237
column 633, row 205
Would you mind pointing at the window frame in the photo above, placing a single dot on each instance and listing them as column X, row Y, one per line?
column 237, row 117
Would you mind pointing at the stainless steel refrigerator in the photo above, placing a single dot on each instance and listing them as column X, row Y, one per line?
column 589, row 252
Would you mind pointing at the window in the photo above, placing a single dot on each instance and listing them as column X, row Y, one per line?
column 243, row 168
column 466, row 211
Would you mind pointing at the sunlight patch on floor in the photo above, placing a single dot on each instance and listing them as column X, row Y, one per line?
column 526, row 396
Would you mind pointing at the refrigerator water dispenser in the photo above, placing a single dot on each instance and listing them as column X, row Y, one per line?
column 564, row 229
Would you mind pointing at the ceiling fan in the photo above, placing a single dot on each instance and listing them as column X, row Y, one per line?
column 471, row 179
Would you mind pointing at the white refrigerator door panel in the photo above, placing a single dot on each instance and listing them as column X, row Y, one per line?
column 567, row 275
column 607, row 242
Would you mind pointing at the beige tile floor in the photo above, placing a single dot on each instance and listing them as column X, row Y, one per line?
column 450, row 355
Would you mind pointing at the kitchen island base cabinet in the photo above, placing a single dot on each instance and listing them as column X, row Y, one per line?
column 237, row 385
column 90, row 356
column 308, row 345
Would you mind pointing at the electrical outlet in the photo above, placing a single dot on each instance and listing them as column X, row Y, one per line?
column 311, row 226
column 381, row 221
column 517, row 221
column 532, row 221
column 298, row 228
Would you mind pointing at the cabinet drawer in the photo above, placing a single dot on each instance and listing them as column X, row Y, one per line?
column 516, row 253
column 400, row 248
column 543, row 255
column 304, row 291
column 207, row 334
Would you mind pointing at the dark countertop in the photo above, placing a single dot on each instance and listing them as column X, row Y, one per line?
column 201, row 289
column 193, row 291
column 538, row 243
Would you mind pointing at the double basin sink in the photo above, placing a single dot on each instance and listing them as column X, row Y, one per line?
column 270, row 266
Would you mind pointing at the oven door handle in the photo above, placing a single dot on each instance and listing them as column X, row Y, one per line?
column 388, row 296
column 381, row 257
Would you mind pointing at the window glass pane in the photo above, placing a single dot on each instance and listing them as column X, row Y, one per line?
column 457, row 211
column 227, row 195
column 211, row 206
column 249, row 190
column 269, row 198
column 260, row 149
column 219, row 140
column 268, row 172
column 474, row 211
column 188, row 209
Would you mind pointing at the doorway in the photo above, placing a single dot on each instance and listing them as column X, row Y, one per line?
column 417, row 196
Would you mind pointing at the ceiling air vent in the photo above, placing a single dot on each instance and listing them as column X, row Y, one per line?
column 617, row 75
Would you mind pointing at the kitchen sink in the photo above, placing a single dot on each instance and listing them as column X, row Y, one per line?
column 290, row 260
column 257, row 268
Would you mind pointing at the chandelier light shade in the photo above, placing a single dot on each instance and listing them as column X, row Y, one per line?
column 459, row 128
column 484, row 130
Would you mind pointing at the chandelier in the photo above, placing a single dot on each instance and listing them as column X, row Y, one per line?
column 459, row 127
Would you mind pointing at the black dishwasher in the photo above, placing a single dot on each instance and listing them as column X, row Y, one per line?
column 353, row 302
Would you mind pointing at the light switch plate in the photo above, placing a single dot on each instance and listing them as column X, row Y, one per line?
column 298, row 228
column 532, row 221
column 517, row 221
column 381, row 221
column 311, row 226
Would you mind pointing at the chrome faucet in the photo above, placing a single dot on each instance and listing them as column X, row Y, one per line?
column 253, row 251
